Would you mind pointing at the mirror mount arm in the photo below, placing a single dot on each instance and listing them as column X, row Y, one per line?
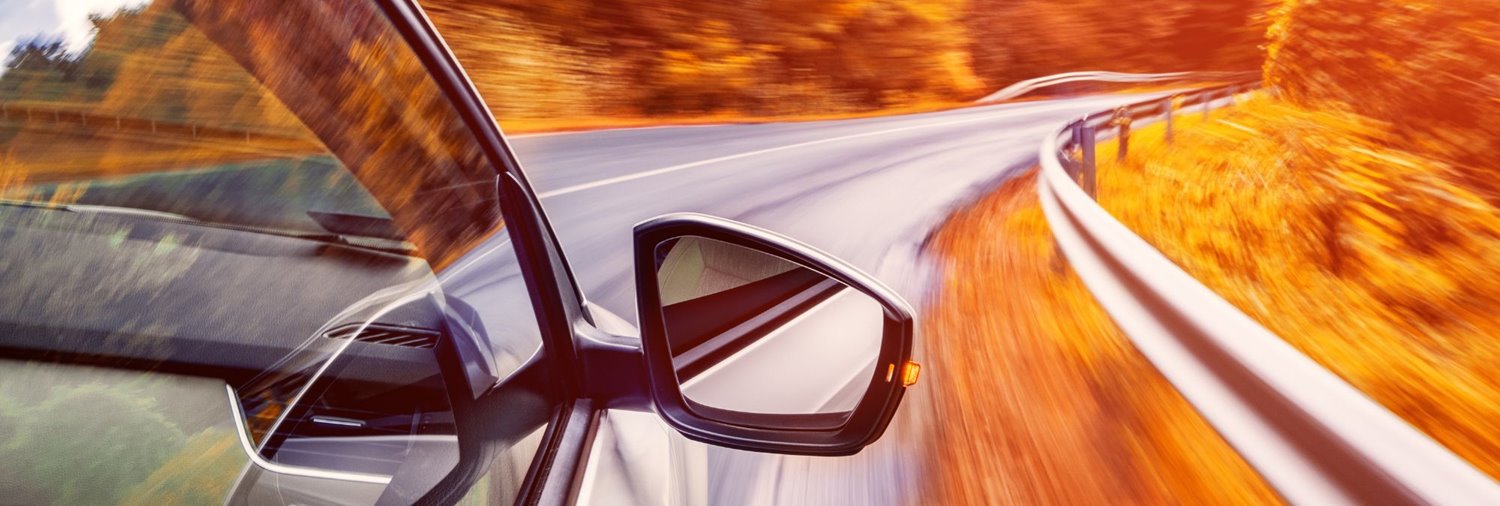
column 614, row 368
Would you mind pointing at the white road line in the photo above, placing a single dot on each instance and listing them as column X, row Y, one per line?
column 1082, row 105
column 618, row 129
column 700, row 163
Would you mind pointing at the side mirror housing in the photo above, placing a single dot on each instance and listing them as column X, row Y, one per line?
column 757, row 342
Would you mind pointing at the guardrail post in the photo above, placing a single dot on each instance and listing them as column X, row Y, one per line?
column 1086, row 145
column 1074, row 165
column 1208, row 102
column 1122, row 120
column 1167, row 111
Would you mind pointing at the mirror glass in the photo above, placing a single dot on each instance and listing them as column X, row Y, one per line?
column 756, row 334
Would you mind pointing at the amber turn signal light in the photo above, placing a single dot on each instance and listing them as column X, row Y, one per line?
column 909, row 373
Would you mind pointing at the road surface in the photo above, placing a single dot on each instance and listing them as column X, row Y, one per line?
column 866, row 190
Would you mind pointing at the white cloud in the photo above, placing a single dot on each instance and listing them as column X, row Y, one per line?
column 73, row 17
column 67, row 19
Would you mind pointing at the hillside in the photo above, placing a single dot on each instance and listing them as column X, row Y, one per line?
column 777, row 58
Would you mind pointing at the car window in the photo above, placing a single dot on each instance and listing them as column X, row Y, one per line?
column 239, row 231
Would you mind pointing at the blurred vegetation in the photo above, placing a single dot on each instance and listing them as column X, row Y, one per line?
column 1353, row 208
column 180, row 85
column 631, row 58
column 1365, row 257
column 143, row 63
column 580, row 59
column 112, row 438
column 1044, row 400
column 1013, row 40
column 149, row 68
column 1422, row 73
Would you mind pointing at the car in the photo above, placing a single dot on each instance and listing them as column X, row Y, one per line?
column 277, row 252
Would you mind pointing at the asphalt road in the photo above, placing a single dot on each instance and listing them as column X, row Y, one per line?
column 867, row 190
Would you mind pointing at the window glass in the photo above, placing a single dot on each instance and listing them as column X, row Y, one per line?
column 254, row 230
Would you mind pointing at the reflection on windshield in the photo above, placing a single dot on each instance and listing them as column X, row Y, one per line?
column 222, row 189
column 160, row 113
column 113, row 437
column 153, row 116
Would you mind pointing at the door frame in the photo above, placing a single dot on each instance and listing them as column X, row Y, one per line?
column 560, row 306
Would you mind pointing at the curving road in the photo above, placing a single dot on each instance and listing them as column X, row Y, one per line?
column 867, row 190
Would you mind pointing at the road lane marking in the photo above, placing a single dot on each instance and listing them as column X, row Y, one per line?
column 1082, row 104
column 531, row 135
column 747, row 154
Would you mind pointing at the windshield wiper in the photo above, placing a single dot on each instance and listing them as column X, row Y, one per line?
column 377, row 243
column 358, row 224
column 86, row 208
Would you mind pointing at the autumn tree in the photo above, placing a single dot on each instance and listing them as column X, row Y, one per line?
column 763, row 57
column 1020, row 39
column 1423, row 69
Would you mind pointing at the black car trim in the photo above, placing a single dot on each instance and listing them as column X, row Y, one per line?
column 537, row 249
column 799, row 434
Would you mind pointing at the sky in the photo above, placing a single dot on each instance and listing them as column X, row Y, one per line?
column 68, row 19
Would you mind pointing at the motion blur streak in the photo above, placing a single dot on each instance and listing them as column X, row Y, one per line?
column 1354, row 210
column 1046, row 402
column 818, row 193
column 567, row 64
column 1424, row 345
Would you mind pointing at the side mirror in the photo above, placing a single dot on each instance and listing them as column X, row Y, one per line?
column 758, row 342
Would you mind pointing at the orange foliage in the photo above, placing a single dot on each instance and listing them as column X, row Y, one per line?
column 1044, row 401
column 1374, row 260
column 1422, row 73
column 653, row 58
column 149, row 73
column 184, row 85
column 1020, row 39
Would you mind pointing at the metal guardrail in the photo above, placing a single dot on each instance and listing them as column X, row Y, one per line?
column 1315, row 438
column 1023, row 87
column 1085, row 132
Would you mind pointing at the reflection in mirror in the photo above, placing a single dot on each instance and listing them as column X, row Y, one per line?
column 754, row 333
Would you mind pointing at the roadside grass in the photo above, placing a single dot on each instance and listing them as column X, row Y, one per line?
column 1044, row 401
column 1376, row 262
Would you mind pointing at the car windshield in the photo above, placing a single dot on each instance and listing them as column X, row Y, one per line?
column 274, row 196
column 147, row 110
